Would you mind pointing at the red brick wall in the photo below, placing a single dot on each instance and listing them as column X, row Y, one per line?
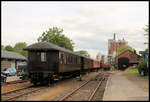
column 130, row 55
column 125, row 54
column 5, row 64
column 112, row 47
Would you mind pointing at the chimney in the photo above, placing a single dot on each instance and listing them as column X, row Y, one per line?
column 114, row 36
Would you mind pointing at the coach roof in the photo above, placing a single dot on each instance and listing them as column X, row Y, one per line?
column 45, row 46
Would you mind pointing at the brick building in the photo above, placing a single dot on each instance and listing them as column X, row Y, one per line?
column 113, row 46
column 133, row 57
column 11, row 59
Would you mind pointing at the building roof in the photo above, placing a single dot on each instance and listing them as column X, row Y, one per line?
column 129, row 51
column 12, row 55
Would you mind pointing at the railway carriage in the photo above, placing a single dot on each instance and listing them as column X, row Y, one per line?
column 47, row 62
column 87, row 64
column 96, row 65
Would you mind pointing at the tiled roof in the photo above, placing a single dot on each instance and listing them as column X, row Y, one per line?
column 12, row 55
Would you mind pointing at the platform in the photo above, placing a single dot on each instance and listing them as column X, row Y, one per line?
column 124, row 87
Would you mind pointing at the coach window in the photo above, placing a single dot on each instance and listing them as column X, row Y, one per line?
column 76, row 60
column 64, row 58
column 43, row 57
column 67, row 59
column 73, row 59
column 61, row 60
column 70, row 59
column 79, row 60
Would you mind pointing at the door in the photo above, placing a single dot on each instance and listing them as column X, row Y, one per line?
column 13, row 65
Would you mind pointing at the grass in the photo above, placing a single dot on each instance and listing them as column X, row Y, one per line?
column 135, row 72
column 132, row 71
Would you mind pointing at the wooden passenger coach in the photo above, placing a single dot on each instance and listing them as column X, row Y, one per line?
column 47, row 62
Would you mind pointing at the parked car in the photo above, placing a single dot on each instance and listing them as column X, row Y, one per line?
column 9, row 71
column 3, row 77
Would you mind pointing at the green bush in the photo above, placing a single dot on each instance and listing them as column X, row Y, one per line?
column 142, row 68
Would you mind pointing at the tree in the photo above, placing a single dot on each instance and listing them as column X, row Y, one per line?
column 146, row 29
column 2, row 47
column 19, row 48
column 20, row 45
column 9, row 48
column 83, row 52
column 54, row 35
column 124, row 48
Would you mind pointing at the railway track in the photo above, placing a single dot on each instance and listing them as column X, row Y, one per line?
column 13, row 95
column 87, row 91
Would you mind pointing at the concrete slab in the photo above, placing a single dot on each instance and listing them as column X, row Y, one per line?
column 12, row 78
column 120, row 88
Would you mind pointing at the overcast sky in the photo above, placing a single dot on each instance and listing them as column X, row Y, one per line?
column 88, row 24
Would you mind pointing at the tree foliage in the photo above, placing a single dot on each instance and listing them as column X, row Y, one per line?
column 83, row 52
column 9, row 48
column 54, row 35
column 124, row 48
column 19, row 48
column 2, row 47
column 146, row 29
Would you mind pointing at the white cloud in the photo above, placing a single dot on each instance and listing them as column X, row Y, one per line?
column 88, row 24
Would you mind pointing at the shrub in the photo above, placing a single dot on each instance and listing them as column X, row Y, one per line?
column 142, row 68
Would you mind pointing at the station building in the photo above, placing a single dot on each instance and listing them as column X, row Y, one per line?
column 127, row 58
column 11, row 59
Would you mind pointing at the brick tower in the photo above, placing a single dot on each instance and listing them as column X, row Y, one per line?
column 113, row 46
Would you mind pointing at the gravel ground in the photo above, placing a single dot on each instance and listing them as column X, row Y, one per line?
column 57, row 89
column 100, row 92
column 60, row 88
column 16, row 93
column 7, row 88
column 85, row 92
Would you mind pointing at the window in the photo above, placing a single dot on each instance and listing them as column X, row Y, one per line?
column 64, row 59
column 76, row 60
column 43, row 57
column 61, row 60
